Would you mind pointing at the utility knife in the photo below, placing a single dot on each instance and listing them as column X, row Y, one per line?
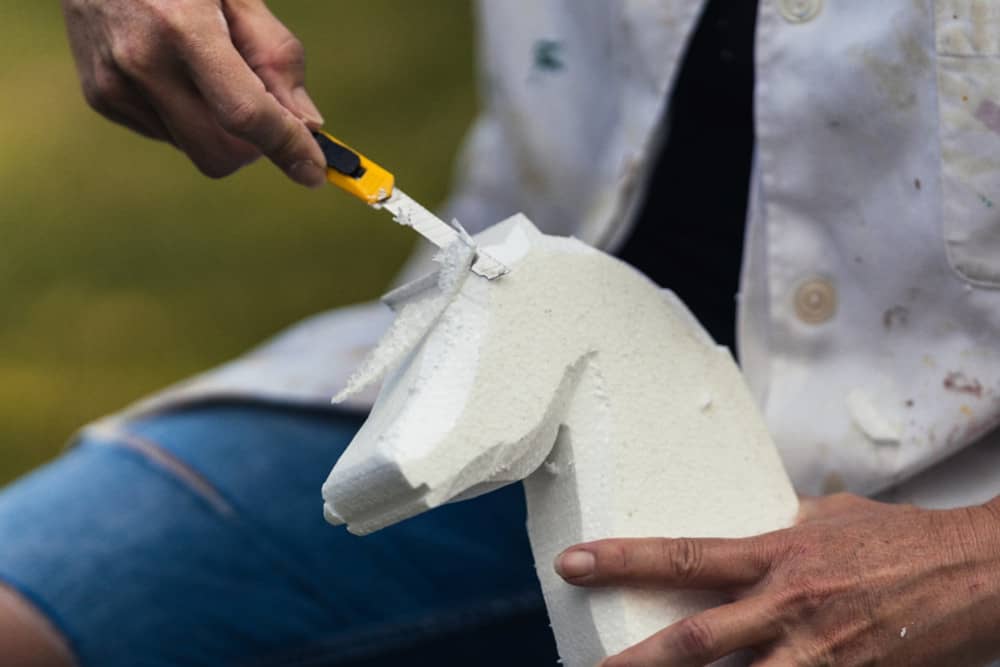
column 376, row 186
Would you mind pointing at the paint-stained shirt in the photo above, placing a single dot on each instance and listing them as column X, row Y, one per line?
column 869, row 305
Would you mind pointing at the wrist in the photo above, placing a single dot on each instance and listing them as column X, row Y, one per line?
column 983, row 554
column 994, row 507
column 987, row 528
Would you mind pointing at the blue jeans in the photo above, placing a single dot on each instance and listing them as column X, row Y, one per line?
column 197, row 538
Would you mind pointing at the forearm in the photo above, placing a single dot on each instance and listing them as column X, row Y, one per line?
column 989, row 537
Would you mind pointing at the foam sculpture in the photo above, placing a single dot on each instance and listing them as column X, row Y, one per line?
column 581, row 377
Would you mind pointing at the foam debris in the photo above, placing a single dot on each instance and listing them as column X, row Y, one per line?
column 414, row 320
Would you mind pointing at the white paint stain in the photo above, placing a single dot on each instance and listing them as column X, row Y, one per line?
column 880, row 427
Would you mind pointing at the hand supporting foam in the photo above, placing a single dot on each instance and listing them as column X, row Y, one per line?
column 575, row 374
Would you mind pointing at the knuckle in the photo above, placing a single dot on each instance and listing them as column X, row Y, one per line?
column 294, row 51
column 242, row 118
column 285, row 144
column 762, row 552
column 806, row 599
column 695, row 639
column 289, row 51
column 158, row 27
column 288, row 145
column 684, row 556
column 620, row 561
column 134, row 57
column 796, row 553
column 286, row 52
column 169, row 18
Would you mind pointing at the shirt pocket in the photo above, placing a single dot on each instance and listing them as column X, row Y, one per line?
column 968, row 48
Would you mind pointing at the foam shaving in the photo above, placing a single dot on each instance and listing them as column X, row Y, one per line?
column 414, row 321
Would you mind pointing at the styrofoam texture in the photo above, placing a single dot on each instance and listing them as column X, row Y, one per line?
column 578, row 375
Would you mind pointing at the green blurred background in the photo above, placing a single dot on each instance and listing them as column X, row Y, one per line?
column 122, row 269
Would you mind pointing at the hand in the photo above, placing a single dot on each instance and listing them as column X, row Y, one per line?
column 220, row 79
column 855, row 582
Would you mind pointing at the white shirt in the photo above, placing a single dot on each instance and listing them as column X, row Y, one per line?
column 869, row 319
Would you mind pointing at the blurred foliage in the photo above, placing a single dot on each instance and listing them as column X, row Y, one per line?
column 122, row 269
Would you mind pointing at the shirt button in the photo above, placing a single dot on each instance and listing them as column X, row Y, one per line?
column 815, row 301
column 800, row 11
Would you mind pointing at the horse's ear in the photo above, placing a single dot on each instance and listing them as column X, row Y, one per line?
column 510, row 240
column 419, row 304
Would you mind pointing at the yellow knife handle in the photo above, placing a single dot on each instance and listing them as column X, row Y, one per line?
column 352, row 172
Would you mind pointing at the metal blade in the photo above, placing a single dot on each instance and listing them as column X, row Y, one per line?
column 409, row 213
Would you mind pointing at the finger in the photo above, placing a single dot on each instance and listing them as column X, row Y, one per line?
column 243, row 107
column 116, row 98
column 721, row 564
column 706, row 637
column 140, row 125
column 274, row 54
column 194, row 130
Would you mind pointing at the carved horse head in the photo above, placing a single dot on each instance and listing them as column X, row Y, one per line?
column 577, row 374
column 475, row 386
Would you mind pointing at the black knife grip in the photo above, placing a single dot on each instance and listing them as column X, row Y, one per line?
column 339, row 158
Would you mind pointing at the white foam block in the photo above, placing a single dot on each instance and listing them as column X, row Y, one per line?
column 578, row 375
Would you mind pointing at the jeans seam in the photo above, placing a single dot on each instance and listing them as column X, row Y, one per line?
column 385, row 636
column 167, row 464
column 157, row 455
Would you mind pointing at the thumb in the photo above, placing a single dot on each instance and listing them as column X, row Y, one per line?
column 274, row 54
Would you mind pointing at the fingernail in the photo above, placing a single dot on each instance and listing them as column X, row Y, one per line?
column 307, row 173
column 306, row 107
column 573, row 564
